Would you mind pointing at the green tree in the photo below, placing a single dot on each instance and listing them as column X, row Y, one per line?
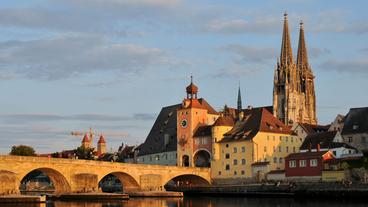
column 22, row 150
column 85, row 153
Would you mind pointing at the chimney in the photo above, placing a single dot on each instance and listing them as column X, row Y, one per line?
column 318, row 147
column 310, row 147
column 250, row 107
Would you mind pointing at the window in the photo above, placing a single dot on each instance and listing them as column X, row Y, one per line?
column 243, row 149
column 235, row 150
column 280, row 160
column 265, row 148
column 280, row 149
column 273, row 138
column 291, row 139
column 274, row 149
column 363, row 140
column 196, row 141
column 235, row 162
column 313, row 163
column 280, row 138
column 235, row 173
column 302, row 163
column 268, row 138
column 275, row 160
column 204, row 141
column 243, row 172
column 227, row 167
column 227, row 145
column 219, row 172
column 286, row 139
column 355, row 127
column 350, row 139
column 243, row 161
column 227, row 155
column 334, row 152
column 292, row 163
column 294, row 149
column 287, row 149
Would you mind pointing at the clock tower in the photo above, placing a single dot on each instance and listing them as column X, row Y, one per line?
column 190, row 116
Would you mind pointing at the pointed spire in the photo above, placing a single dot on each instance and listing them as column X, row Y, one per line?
column 302, row 59
column 239, row 100
column 286, row 56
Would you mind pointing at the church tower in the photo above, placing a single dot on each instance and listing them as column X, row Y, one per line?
column 308, row 97
column 194, row 117
column 101, row 146
column 293, row 92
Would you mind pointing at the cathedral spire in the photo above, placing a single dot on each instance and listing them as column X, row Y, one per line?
column 286, row 56
column 239, row 100
column 302, row 59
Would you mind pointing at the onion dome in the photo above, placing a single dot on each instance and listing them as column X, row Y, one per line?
column 192, row 89
column 101, row 140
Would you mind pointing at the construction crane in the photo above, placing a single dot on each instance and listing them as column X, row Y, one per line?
column 91, row 134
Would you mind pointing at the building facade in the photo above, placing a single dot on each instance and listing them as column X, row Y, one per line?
column 194, row 139
column 293, row 93
column 256, row 144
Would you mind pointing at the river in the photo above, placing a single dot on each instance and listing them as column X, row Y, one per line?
column 203, row 202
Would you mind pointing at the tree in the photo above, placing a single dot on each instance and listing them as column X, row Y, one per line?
column 22, row 150
column 85, row 153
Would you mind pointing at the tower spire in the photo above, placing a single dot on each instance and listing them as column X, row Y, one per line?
column 302, row 58
column 286, row 56
column 239, row 100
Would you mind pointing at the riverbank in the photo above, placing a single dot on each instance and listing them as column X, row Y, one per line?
column 22, row 199
column 326, row 190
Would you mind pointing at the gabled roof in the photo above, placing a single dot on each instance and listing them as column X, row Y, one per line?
column 203, row 131
column 224, row 121
column 306, row 155
column 324, row 139
column 255, row 120
column 356, row 121
column 164, row 124
column 311, row 128
column 207, row 106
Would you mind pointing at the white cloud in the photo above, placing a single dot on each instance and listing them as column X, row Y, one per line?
column 68, row 55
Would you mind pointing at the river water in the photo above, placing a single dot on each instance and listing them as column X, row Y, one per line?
column 203, row 202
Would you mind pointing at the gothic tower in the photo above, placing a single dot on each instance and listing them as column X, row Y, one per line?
column 308, row 97
column 293, row 92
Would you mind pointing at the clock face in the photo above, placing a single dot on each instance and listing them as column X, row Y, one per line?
column 184, row 123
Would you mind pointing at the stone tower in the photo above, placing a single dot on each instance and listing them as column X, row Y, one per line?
column 293, row 92
column 101, row 146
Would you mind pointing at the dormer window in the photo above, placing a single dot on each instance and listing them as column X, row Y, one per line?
column 355, row 127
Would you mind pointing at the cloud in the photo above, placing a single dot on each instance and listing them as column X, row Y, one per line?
column 249, row 53
column 356, row 66
column 69, row 55
column 318, row 52
column 265, row 24
column 26, row 118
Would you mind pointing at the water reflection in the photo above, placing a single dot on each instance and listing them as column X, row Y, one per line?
column 203, row 202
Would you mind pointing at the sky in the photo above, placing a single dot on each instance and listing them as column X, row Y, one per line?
column 68, row 65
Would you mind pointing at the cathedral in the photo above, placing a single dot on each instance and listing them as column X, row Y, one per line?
column 294, row 98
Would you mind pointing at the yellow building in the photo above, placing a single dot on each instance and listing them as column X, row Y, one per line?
column 255, row 145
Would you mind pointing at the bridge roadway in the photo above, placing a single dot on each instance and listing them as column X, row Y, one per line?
column 75, row 176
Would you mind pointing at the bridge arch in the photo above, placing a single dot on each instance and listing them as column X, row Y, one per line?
column 202, row 158
column 186, row 180
column 129, row 183
column 57, row 178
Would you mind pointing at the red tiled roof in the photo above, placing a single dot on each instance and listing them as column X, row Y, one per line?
column 85, row 138
column 101, row 140
column 255, row 120
column 224, row 121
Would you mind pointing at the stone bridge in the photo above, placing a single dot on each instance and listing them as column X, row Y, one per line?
column 73, row 176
